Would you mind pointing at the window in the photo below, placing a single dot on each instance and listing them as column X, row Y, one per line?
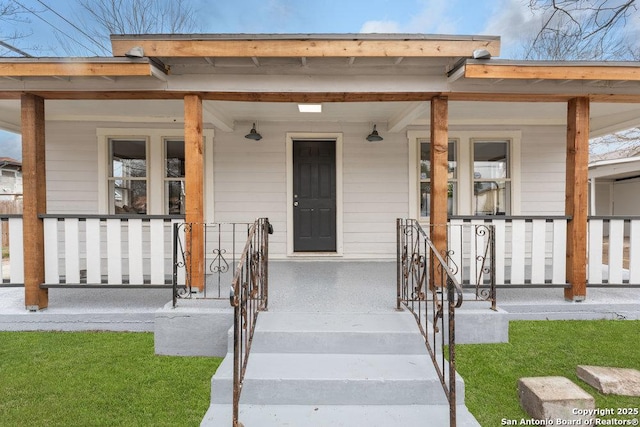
column 425, row 179
column 142, row 171
column 491, row 178
column 484, row 172
column 128, row 176
column 174, row 177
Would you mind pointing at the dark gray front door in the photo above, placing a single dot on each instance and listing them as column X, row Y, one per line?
column 314, row 196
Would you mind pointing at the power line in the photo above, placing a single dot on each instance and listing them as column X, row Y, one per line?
column 75, row 26
column 15, row 49
column 33, row 12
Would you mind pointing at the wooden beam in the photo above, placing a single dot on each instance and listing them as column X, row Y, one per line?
column 310, row 48
column 439, row 175
column 552, row 72
column 577, row 195
column 34, row 185
column 75, row 69
column 194, row 187
column 318, row 97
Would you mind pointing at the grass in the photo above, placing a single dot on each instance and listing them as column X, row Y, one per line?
column 545, row 348
column 99, row 379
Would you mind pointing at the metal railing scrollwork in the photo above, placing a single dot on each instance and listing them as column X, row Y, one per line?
column 248, row 296
column 427, row 287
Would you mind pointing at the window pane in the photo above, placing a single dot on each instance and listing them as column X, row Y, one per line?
column 425, row 199
column 174, row 155
column 129, row 196
column 491, row 160
column 128, row 158
column 425, row 160
column 491, row 197
column 174, row 195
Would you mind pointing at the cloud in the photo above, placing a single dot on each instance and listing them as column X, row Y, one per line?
column 437, row 17
column 380, row 27
column 515, row 23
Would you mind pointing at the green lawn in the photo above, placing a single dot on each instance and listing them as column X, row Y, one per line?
column 99, row 379
column 545, row 348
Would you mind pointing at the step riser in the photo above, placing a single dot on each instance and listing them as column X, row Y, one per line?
column 337, row 343
column 330, row 392
column 338, row 415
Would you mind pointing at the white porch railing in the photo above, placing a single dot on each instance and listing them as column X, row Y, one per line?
column 108, row 249
column 529, row 250
column 12, row 266
column 614, row 251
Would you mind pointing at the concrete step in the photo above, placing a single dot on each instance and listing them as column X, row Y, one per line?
column 337, row 333
column 334, row 379
column 338, row 415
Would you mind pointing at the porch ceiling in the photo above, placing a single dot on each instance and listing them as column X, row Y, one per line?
column 390, row 116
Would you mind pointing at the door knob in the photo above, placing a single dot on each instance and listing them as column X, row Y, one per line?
column 295, row 203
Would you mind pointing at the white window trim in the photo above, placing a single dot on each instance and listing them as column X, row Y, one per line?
column 155, row 167
column 338, row 138
column 465, row 168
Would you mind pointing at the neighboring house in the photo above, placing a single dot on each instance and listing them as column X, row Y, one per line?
column 615, row 186
column 157, row 133
column 10, row 179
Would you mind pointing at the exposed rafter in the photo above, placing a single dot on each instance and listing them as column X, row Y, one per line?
column 216, row 117
column 407, row 116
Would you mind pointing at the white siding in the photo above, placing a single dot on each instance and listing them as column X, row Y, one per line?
column 250, row 178
column 543, row 169
column 72, row 167
column 250, row 181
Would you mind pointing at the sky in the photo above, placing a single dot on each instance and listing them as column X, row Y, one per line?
column 510, row 19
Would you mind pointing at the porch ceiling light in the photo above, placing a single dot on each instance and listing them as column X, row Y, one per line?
column 310, row 108
column 253, row 134
column 373, row 136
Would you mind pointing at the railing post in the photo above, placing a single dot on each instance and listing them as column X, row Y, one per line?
column 174, row 272
column 452, row 352
column 398, row 263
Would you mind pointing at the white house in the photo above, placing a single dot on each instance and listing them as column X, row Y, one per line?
column 119, row 147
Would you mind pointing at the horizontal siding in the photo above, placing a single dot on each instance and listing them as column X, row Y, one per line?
column 543, row 153
column 72, row 167
column 250, row 178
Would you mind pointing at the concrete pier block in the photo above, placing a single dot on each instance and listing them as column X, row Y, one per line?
column 619, row 381
column 545, row 398
column 194, row 328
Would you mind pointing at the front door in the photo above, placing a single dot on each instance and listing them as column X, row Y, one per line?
column 314, row 196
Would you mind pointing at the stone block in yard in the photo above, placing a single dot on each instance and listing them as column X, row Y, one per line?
column 554, row 398
column 619, row 381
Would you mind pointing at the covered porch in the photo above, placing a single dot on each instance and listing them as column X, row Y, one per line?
column 418, row 90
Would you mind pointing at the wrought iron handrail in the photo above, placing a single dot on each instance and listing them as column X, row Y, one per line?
column 248, row 296
column 422, row 268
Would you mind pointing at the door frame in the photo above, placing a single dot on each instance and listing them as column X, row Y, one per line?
column 315, row 136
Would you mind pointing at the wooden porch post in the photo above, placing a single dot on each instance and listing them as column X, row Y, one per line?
column 194, row 187
column 34, row 200
column 577, row 194
column 439, row 172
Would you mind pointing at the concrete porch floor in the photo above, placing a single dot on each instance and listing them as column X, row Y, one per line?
column 294, row 286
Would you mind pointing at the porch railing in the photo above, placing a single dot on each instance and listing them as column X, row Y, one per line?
column 12, row 266
column 614, row 251
column 108, row 250
column 530, row 251
column 248, row 296
column 427, row 287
